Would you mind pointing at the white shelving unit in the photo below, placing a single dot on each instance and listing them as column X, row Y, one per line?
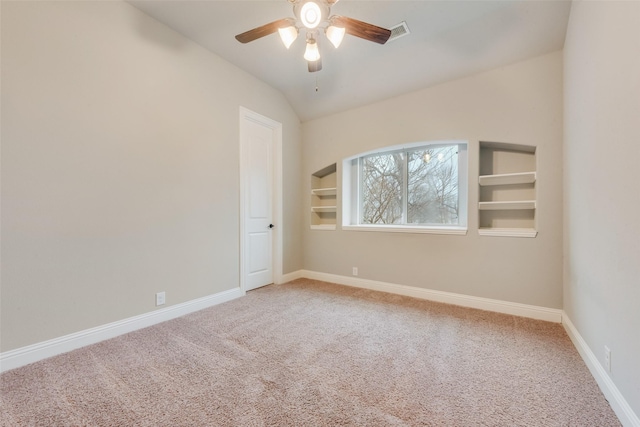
column 508, row 232
column 507, row 180
column 321, row 192
column 323, row 208
column 501, row 206
column 323, row 199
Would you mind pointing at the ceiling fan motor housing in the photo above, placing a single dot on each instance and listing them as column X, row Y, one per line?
column 311, row 13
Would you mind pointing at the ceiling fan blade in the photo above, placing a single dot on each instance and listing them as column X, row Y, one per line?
column 362, row 29
column 315, row 65
column 264, row 30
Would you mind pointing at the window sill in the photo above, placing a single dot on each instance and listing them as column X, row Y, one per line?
column 460, row 231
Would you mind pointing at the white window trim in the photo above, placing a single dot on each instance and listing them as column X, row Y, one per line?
column 350, row 202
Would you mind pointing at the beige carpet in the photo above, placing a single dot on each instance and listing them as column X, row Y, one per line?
column 315, row 354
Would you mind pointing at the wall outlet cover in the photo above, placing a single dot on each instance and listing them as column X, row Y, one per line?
column 160, row 298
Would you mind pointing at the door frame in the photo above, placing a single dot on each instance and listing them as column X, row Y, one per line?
column 276, row 205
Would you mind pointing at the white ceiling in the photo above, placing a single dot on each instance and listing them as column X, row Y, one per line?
column 449, row 39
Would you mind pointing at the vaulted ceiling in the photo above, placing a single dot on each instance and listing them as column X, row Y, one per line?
column 448, row 40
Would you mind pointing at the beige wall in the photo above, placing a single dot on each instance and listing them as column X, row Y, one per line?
column 119, row 175
column 120, row 167
column 602, row 189
column 521, row 104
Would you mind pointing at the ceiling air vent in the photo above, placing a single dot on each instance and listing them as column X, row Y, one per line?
column 398, row 31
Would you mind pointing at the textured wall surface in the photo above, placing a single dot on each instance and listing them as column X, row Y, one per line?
column 520, row 104
column 602, row 189
column 120, row 159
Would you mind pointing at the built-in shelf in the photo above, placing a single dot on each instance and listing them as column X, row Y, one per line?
column 323, row 208
column 511, row 205
column 323, row 227
column 507, row 190
column 508, row 232
column 508, row 179
column 324, row 191
column 324, row 198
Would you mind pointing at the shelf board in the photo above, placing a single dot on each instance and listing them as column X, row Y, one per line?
column 324, row 191
column 508, row 147
column 323, row 208
column 500, row 206
column 328, row 170
column 508, row 178
column 508, row 232
column 323, row 226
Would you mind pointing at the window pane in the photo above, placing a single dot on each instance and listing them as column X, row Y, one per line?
column 381, row 185
column 432, row 188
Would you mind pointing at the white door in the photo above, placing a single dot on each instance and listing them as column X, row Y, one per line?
column 259, row 137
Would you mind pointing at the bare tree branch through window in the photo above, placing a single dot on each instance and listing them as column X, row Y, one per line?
column 410, row 187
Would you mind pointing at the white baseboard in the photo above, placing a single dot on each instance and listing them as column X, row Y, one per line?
column 35, row 352
column 618, row 403
column 516, row 309
column 290, row 276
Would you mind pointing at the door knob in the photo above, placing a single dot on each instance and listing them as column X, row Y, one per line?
column 271, row 225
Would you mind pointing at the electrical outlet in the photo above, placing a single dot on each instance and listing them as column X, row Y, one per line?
column 607, row 358
column 160, row 298
column 355, row 271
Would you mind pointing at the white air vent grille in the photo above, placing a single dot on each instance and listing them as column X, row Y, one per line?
column 398, row 31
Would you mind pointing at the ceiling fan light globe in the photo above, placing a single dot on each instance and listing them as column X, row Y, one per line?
column 312, row 53
column 310, row 15
column 335, row 35
column 288, row 35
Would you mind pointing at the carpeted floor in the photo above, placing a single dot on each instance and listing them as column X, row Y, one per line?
column 310, row 353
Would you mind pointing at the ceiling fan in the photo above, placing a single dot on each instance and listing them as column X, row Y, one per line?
column 312, row 16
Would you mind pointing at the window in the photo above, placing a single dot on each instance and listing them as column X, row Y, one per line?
column 417, row 188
